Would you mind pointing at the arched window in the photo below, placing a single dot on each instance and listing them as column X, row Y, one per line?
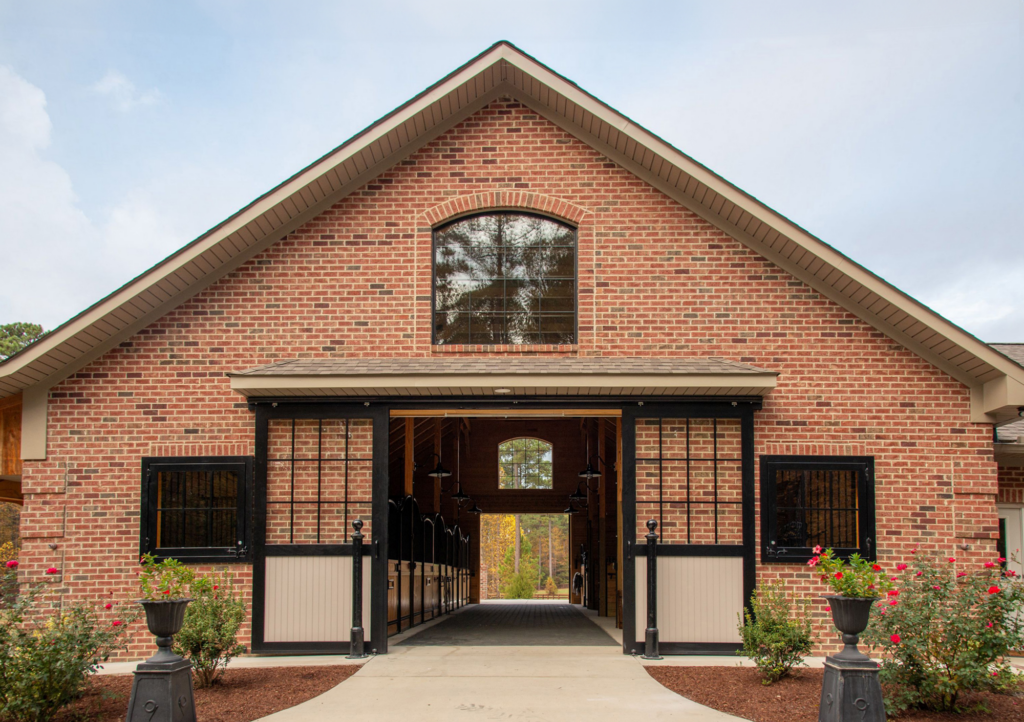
column 505, row 278
column 524, row 464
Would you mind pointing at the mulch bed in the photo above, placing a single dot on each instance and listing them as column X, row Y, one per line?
column 241, row 695
column 738, row 691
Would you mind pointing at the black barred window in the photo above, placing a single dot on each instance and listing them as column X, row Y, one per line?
column 505, row 278
column 196, row 509
column 809, row 501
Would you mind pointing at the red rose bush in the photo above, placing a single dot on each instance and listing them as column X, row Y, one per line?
column 949, row 632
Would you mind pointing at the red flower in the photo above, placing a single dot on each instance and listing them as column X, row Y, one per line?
column 893, row 579
column 13, row 564
column 990, row 625
column 838, row 575
column 828, row 609
column 961, row 574
column 167, row 591
column 1011, row 573
column 1001, row 560
column 893, row 592
column 108, row 605
column 989, row 565
column 216, row 587
column 812, row 562
column 993, row 590
column 117, row 622
column 52, row 570
column 893, row 602
column 876, row 567
column 919, row 574
column 895, row 639
column 936, row 587
column 817, row 549
column 952, row 559
column 900, row 567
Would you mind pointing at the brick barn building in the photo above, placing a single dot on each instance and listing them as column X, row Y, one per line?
column 504, row 275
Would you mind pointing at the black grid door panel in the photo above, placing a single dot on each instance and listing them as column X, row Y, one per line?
column 689, row 479
column 319, row 479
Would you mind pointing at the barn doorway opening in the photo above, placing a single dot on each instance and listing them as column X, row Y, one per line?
column 524, row 556
column 504, row 528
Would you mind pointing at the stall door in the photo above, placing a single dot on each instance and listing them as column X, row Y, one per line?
column 692, row 468
column 1011, row 537
column 315, row 475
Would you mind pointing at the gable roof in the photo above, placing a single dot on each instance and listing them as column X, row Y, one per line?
column 1013, row 431
column 504, row 70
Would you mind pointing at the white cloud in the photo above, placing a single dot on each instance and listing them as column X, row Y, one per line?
column 123, row 93
column 58, row 259
column 985, row 301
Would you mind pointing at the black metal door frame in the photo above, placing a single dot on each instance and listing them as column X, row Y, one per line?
column 379, row 410
column 376, row 550
column 676, row 409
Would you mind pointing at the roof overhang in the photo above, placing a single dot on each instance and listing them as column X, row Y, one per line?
column 452, row 377
column 997, row 383
column 1009, row 454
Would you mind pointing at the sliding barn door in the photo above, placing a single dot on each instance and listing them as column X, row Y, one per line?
column 690, row 469
column 316, row 471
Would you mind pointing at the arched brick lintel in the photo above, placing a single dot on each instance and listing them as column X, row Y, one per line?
column 505, row 200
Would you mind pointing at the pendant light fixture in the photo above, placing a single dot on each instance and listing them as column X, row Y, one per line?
column 459, row 496
column 439, row 471
column 590, row 472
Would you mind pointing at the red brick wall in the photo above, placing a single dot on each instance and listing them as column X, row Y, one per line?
column 655, row 280
column 1011, row 484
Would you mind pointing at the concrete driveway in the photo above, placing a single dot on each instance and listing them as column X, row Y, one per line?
column 435, row 681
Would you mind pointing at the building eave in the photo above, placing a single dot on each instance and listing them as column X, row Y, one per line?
column 996, row 382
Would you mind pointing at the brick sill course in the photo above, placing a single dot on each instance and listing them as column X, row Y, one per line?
column 524, row 350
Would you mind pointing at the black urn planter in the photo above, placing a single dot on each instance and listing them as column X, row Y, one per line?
column 850, row 689
column 851, row 616
column 164, row 619
column 162, row 689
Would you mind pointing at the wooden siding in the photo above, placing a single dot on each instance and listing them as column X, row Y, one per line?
column 10, row 436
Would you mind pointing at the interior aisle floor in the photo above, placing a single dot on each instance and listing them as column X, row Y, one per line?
column 514, row 624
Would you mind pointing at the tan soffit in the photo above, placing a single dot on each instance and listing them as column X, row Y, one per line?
column 504, row 378
column 997, row 383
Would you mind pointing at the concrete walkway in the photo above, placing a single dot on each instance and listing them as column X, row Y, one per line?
column 556, row 684
column 577, row 672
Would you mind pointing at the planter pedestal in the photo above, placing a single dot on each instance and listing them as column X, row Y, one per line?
column 162, row 689
column 850, row 691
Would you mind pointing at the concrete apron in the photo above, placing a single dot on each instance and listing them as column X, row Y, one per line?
column 506, row 683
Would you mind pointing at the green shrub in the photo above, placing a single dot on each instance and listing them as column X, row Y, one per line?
column 8, row 574
column 164, row 579
column 551, row 587
column 47, row 652
column 772, row 637
column 946, row 631
column 209, row 636
column 520, row 586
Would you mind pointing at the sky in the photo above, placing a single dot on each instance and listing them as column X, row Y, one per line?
column 894, row 131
